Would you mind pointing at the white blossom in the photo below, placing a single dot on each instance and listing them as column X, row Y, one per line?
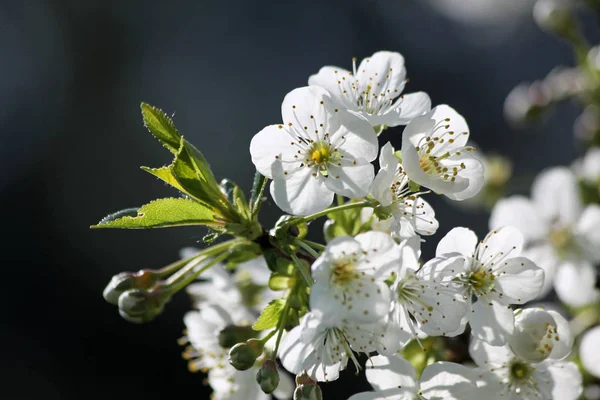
column 509, row 377
column 410, row 214
column 350, row 274
column 395, row 378
column 322, row 344
column 561, row 235
column 435, row 155
column 589, row 351
column 373, row 90
column 540, row 334
column 314, row 153
column 436, row 308
column 492, row 272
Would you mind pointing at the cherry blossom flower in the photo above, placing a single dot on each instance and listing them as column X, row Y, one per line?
column 507, row 376
column 588, row 167
column 435, row 155
column 562, row 237
column 396, row 378
column 350, row 274
column 373, row 90
column 314, row 153
column 434, row 307
column 410, row 214
column 540, row 334
column 492, row 272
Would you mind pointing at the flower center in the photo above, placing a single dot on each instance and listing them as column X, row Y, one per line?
column 321, row 154
column 561, row 239
column 519, row 371
column 481, row 281
column 344, row 272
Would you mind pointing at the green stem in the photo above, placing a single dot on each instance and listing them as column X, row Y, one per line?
column 280, row 326
column 186, row 280
column 306, row 248
column 347, row 206
column 314, row 245
column 305, row 274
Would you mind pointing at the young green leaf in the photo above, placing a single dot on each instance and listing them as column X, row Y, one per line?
column 162, row 213
column 161, row 127
column 270, row 316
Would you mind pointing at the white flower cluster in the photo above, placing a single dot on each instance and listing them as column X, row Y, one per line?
column 369, row 292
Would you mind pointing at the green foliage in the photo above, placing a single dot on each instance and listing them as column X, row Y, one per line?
column 161, row 127
column 344, row 223
column 161, row 213
column 270, row 316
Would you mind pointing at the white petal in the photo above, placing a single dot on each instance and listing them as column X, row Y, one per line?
column 257, row 269
column 410, row 251
column 355, row 137
column 520, row 212
column 384, row 254
column 519, row 280
column 567, row 380
column 589, row 351
column 440, row 116
column 351, row 181
column 381, row 187
column 302, row 193
column 449, row 381
column 445, row 267
column 387, row 159
column 447, row 308
column 575, row 283
column 590, row 166
column 286, row 386
column 471, row 176
column 587, row 233
column 545, row 257
column 383, row 71
column 269, row 148
column 391, row 372
column 393, row 338
column 458, row 240
column 530, row 337
column 408, row 107
column 491, row 321
column 309, row 107
column 499, row 244
column 330, row 78
column 389, row 394
column 556, row 195
column 563, row 346
column 487, row 356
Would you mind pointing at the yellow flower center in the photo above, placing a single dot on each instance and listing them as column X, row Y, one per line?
column 320, row 154
column 344, row 272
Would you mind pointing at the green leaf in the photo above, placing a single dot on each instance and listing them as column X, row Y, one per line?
column 161, row 127
column 413, row 186
column 270, row 316
column 161, row 213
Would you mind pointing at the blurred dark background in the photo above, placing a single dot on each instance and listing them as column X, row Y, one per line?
column 72, row 75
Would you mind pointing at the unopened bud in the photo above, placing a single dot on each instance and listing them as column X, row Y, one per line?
column 143, row 279
column 555, row 16
column 268, row 376
column 526, row 103
column 233, row 334
column 242, row 356
column 140, row 305
column 308, row 392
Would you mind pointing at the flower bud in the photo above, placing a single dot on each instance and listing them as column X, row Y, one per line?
column 307, row 388
column 268, row 376
column 233, row 334
column 242, row 356
column 526, row 103
column 143, row 279
column 540, row 334
column 555, row 16
column 140, row 305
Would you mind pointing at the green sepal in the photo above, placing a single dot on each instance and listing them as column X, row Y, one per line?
column 398, row 155
column 414, row 186
column 270, row 316
column 241, row 253
column 279, row 281
column 161, row 213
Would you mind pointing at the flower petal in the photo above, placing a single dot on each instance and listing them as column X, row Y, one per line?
column 353, row 180
column 520, row 212
column 355, row 137
column 415, row 217
column 408, row 107
column 302, row 193
column 491, row 321
column 556, row 195
column 458, row 240
column 575, row 283
column 589, row 351
column 269, row 148
column 587, row 233
column 487, row 356
column 383, row 253
column 335, row 80
column 567, row 380
column 391, row 372
column 545, row 257
column 562, row 346
column 449, row 381
column 499, row 244
column 384, row 71
column 519, row 280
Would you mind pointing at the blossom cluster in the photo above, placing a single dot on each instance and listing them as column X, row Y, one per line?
column 272, row 300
